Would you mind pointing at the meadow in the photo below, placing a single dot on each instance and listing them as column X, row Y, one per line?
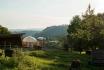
column 45, row 60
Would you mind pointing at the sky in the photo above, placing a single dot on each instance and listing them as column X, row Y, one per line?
column 29, row 14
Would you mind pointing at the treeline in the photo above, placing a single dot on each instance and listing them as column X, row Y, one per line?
column 86, row 31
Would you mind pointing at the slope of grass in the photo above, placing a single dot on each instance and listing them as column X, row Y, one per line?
column 61, row 60
column 45, row 60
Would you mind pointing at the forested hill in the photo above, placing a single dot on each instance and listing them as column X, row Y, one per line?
column 53, row 32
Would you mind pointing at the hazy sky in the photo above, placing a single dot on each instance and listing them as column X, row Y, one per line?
column 21, row 14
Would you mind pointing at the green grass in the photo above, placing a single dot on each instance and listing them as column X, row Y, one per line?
column 61, row 60
column 45, row 60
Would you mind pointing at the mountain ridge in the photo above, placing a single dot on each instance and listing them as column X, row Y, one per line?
column 53, row 32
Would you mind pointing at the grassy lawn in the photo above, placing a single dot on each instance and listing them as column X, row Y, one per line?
column 45, row 60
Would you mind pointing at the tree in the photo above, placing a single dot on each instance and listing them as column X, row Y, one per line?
column 72, row 28
column 4, row 30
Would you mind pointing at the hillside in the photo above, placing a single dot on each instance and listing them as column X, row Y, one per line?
column 53, row 32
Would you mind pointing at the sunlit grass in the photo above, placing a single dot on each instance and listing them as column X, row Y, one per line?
column 45, row 60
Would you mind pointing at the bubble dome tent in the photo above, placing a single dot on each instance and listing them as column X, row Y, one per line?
column 41, row 41
column 29, row 41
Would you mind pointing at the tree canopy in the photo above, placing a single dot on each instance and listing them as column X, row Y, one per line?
column 87, row 31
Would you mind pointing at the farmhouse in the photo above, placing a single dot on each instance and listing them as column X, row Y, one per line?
column 10, row 40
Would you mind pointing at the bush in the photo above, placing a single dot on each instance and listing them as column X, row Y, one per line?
column 18, row 62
